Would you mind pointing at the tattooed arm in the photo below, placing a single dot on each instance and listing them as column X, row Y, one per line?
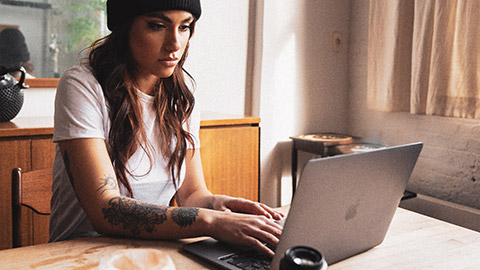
column 90, row 170
column 91, row 173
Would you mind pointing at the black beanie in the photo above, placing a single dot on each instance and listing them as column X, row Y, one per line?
column 13, row 49
column 119, row 11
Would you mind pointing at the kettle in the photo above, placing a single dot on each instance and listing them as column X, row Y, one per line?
column 11, row 93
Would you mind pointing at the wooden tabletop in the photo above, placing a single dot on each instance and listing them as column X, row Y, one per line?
column 27, row 126
column 413, row 241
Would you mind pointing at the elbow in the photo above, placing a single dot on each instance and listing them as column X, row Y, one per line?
column 101, row 228
column 101, row 215
column 100, row 225
column 100, row 221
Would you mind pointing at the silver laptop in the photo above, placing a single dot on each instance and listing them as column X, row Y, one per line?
column 343, row 206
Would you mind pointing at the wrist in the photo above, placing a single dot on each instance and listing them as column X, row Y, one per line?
column 215, row 200
column 209, row 219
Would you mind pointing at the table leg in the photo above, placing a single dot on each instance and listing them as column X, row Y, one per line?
column 294, row 168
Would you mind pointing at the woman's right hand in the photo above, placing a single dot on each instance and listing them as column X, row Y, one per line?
column 248, row 230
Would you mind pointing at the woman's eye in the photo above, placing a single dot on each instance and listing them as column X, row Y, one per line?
column 155, row 26
column 185, row 27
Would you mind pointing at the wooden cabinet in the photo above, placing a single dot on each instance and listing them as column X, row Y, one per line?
column 230, row 155
column 27, row 144
column 229, row 149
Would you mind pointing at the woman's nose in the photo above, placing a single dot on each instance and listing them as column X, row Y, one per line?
column 173, row 41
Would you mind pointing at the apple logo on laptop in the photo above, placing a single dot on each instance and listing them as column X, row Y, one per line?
column 351, row 211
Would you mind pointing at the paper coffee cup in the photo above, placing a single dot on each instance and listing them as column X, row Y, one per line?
column 137, row 258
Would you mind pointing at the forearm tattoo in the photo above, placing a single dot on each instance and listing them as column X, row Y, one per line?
column 137, row 217
column 133, row 216
column 184, row 216
column 109, row 183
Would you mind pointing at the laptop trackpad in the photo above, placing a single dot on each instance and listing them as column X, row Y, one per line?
column 216, row 249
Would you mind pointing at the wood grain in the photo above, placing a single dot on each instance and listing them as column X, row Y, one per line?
column 413, row 241
column 13, row 153
column 230, row 157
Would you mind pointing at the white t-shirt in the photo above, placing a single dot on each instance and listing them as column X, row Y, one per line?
column 81, row 112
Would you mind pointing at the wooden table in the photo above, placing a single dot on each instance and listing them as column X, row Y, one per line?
column 414, row 241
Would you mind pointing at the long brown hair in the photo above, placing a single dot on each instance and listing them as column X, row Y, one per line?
column 114, row 68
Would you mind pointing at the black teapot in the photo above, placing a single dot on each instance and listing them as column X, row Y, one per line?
column 11, row 93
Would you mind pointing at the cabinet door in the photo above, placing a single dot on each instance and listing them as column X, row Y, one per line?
column 230, row 158
column 43, row 153
column 28, row 154
column 13, row 154
column 36, row 227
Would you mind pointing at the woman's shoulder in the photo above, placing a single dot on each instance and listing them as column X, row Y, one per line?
column 79, row 76
column 82, row 70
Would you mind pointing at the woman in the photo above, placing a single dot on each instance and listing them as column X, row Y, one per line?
column 14, row 52
column 127, row 139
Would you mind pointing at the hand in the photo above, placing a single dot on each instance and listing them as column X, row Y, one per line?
column 247, row 230
column 240, row 205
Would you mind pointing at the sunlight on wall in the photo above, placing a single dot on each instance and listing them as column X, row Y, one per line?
column 281, row 106
column 281, row 103
column 304, row 83
column 32, row 99
column 218, row 55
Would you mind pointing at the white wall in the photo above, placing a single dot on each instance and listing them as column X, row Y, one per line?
column 218, row 56
column 304, row 83
column 38, row 102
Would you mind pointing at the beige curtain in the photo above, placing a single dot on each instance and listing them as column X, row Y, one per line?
column 424, row 57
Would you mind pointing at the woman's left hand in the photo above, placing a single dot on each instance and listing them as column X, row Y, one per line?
column 240, row 205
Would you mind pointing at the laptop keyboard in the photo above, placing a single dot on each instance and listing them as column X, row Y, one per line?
column 248, row 260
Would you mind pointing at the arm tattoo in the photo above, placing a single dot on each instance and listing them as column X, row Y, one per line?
column 134, row 216
column 184, row 216
column 109, row 183
column 66, row 161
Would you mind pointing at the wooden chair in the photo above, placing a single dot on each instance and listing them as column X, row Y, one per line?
column 31, row 194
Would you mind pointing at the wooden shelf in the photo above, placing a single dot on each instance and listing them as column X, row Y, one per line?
column 209, row 119
column 44, row 125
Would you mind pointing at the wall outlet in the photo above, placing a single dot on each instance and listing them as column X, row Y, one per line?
column 337, row 41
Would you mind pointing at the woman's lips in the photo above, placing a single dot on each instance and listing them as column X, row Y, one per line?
column 169, row 62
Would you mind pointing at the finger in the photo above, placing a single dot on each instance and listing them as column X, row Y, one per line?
column 262, row 209
column 260, row 247
column 271, row 210
column 248, row 207
column 274, row 228
column 273, row 213
column 268, row 232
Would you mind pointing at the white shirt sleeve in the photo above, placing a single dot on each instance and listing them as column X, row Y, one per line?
column 80, row 106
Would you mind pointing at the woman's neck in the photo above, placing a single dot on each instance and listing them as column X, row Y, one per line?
column 147, row 84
